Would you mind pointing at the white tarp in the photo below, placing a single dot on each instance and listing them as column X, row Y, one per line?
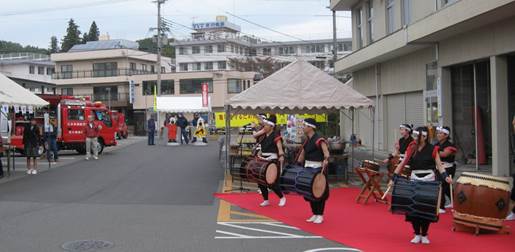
column 13, row 94
column 182, row 104
column 297, row 88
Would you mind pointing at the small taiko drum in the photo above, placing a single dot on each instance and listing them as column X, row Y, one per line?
column 371, row 165
column 392, row 164
column 481, row 200
column 263, row 172
column 308, row 182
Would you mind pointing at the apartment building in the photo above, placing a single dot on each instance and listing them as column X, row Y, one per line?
column 436, row 62
column 212, row 44
column 31, row 70
column 102, row 70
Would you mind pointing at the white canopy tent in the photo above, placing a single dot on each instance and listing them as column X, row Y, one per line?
column 13, row 94
column 299, row 87
column 182, row 104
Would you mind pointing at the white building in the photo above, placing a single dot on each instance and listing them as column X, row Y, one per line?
column 31, row 70
column 213, row 44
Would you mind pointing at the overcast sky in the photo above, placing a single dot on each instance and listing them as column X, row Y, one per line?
column 35, row 21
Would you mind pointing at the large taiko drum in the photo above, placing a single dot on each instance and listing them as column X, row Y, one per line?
column 261, row 171
column 308, row 182
column 481, row 200
column 371, row 165
column 416, row 199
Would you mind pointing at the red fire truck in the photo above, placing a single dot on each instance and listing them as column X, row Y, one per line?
column 71, row 114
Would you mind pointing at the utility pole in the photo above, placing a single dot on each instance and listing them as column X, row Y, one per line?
column 159, row 33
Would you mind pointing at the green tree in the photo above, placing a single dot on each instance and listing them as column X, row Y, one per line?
column 149, row 45
column 263, row 65
column 93, row 33
column 72, row 36
column 54, row 45
column 12, row 47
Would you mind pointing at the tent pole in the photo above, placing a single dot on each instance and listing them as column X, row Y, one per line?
column 352, row 134
column 373, row 132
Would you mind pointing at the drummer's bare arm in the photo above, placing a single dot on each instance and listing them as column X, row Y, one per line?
column 300, row 159
column 449, row 151
column 258, row 133
column 440, row 168
column 280, row 152
column 411, row 149
column 325, row 150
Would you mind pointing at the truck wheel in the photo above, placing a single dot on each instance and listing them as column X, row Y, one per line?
column 100, row 146
column 125, row 135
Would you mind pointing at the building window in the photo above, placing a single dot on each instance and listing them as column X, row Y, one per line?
column 196, row 66
column 406, row 12
column 195, row 50
column 208, row 66
column 152, row 69
column 182, row 51
column 163, row 70
column 67, row 71
column 232, row 48
column 183, row 67
column 105, row 69
column 390, row 16
column 222, row 65
column 209, row 49
column 194, row 86
column 359, row 27
column 431, row 94
column 220, row 48
column 444, row 3
column 286, row 50
column 32, row 69
column 267, row 51
column 105, row 93
column 370, row 21
column 66, row 91
column 167, row 87
column 234, row 86
column 41, row 70
column 132, row 67
column 50, row 70
column 144, row 68
column 148, row 87
column 347, row 47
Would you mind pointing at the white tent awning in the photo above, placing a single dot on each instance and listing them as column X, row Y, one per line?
column 13, row 94
column 297, row 88
column 182, row 104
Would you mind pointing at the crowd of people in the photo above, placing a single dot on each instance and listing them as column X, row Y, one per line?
column 179, row 129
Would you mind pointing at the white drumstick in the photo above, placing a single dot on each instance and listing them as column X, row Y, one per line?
column 386, row 192
column 450, row 189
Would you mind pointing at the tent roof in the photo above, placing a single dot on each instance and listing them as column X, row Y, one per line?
column 181, row 104
column 298, row 87
column 13, row 94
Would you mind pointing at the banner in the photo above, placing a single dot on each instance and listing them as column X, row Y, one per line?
column 155, row 98
column 131, row 92
column 5, row 108
column 205, row 97
column 31, row 109
column 242, row 120
column 16, row 109
column 23, row 109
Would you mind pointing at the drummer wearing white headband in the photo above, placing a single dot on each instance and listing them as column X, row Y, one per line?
column 402, row 144
column 315, row 154
column 423, row 158
column 447, row 151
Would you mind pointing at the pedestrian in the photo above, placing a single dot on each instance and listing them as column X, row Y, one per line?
column 182, row 122
column 151, row 127
column 91, row 133
column 31, row 141
column 51, row 140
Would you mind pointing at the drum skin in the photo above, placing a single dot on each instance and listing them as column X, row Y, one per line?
column 261, row 171
column 482, row 196
column 308, row 182
column 371, row 165
column 416, row 199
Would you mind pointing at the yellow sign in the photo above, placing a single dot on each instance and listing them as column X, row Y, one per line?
column 155, row 98
column 242, row 120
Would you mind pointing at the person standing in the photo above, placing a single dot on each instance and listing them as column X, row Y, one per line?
column 151, row 127
column 447, row 151
column 182, row 122
column 423, row 158
column 31, row 141
column 51, row 140
column 271, row 150
column 92, row 131
column 315, row 155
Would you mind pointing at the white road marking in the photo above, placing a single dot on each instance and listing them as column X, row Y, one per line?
column 258, row 229
column 275, row 234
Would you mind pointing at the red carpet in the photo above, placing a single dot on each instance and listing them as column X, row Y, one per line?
column 370, row 227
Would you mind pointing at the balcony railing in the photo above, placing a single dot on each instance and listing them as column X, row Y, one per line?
column 104, row 97
column 98, row 73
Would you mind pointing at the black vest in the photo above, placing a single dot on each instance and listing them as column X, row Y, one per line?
column 312, row 152
column 268, row 144
column 423, row 160
column 442, row 146
column 404, row 143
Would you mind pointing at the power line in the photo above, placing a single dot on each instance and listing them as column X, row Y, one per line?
column 74, row 6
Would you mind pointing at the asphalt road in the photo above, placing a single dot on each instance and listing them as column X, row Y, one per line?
column 141, row 198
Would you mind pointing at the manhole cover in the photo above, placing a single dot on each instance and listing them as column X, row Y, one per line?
column 87, row 245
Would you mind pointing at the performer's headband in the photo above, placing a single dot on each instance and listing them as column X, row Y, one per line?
column 416, row 132
column 269, row 122
column 310, row 125
column 443, row 130
column 402, row 126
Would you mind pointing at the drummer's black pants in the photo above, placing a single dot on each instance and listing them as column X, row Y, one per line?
column 275, row 188
column 446, row 188
column 317, row 207
column 420, row 226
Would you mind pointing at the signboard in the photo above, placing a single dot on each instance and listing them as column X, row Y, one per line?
column 214, row 25
column 131, row 92
column 242, row 120
column 205, row 97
